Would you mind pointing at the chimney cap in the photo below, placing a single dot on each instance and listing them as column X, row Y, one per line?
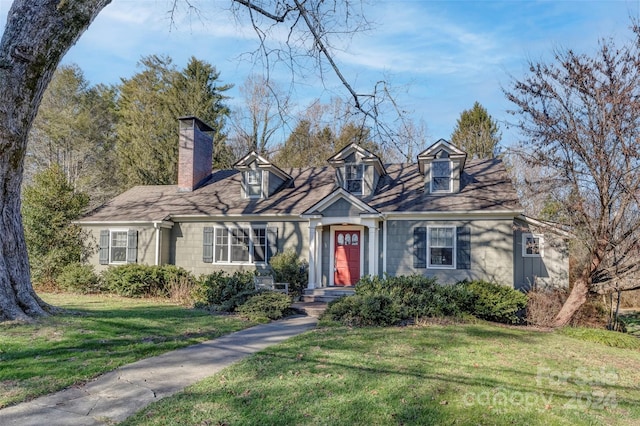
column 202, row 126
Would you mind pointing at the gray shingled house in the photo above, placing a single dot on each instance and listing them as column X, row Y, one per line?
column 446, row 216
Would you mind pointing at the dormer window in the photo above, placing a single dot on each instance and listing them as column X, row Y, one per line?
column 254, row 183
column 353, row 178
column 441, row 176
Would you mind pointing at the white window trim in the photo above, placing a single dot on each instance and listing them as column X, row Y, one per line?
column 126, row 248
column 247, row 185
column 454, row 248
column 540, row 238
column 346, row 175
column 251, row 245
column 441, row 191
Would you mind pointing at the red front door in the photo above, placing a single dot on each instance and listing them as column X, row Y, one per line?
column 347, row 258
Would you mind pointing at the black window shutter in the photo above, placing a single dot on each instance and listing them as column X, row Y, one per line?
column 272, row 242
column 420, row 247
column 104, row 247
column 207, row 245
column 463, row 251
column 132, row 246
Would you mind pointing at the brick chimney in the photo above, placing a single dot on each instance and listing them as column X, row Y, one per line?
column 194, row 153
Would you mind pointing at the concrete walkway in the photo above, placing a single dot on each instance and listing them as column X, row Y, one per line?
column 114, row 396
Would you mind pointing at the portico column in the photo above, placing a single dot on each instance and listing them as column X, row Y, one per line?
column 318, row 274
column 373, row 250
column 312, row 256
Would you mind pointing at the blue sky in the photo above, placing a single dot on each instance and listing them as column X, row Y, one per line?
column 441, row 55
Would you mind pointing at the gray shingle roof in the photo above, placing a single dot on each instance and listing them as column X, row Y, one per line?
column 486, row 186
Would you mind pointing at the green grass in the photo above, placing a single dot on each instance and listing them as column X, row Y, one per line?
column 473, row 374
column 95, row 335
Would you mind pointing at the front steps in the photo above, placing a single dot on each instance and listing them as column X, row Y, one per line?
column 314, row 302
column 327, row 294
column 312, row 309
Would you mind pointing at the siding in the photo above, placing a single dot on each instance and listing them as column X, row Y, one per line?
column 341, row 208
column 491, row 250
column 187, row 240
column 549, row 271
column 273, row 183
column 146, row 244
column 165, row 246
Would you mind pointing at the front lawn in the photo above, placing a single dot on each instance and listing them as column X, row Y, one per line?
column 97, row 334
column 473, row 374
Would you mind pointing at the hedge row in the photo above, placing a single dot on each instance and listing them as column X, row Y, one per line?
column 393, row 300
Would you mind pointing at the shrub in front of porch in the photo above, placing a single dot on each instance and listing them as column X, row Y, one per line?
column 364, row 310
column 287, row 267
column 419, row 296
column 392, row 300
column 414, row 296
column 266, row 305
column 223, row 292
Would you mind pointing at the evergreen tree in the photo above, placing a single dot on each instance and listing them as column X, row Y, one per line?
column 196, row 91
column 477, row 133
column 150, row 103
column 75, row 128
column 49, row 207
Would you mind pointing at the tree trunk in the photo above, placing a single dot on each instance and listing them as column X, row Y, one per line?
column 576, row 299
column 37, row 34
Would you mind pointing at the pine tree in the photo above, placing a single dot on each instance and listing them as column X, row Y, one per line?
column 49, row 207
column 477, row 133
column 150, row 103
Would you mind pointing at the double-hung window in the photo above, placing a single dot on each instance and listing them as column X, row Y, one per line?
column 254, row 183
column 441, row 176
column 441, row 247
column 240, row 245
column 353, row 178
column 118, row 247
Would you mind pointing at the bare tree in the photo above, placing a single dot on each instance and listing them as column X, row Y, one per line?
column 36, row 37
column 263, row 114
column 581, row 118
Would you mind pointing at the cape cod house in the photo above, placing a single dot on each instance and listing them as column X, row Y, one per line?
column 445, row 216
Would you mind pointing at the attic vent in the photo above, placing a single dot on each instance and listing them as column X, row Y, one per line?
column 442, row 154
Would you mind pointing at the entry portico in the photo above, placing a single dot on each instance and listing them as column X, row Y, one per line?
column 348, row 228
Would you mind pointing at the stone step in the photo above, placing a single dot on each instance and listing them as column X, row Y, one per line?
column 326, row 294
column 335, row 291
column 312, row 309
column 320, row 298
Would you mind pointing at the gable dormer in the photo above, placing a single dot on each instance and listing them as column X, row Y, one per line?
column 357, row 170
column 441, row 165
column 260, row 178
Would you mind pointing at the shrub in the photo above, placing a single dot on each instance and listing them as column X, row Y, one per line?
column 79, row 278
column 495, row 302
column 288, row 268
column 50, row 204
column 136, row 280
column 364, row 310
column 267, row 304
column 225, row 292
column 418, row 296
